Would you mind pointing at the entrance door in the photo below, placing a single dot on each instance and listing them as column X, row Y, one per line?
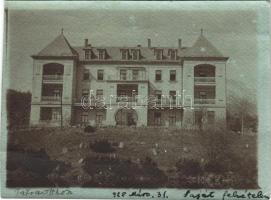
column 126, row 117
column 130, row 119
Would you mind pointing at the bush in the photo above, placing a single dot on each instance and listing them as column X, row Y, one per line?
column 215, row 167
column 36, row 166
column 216, row 143
column 189, row 167
column 89, row 129
column 114, row 172
column 102, row 146
column 152, row 174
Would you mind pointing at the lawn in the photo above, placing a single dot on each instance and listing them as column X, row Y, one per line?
column 165, row 147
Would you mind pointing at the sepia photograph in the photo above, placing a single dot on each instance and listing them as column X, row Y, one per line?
column 133, row 95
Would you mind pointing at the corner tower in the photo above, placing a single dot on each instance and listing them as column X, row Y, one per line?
column 204, row 74
column 53, row 83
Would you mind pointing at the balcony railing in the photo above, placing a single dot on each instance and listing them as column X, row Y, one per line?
column 54, row 77
column 50, row 98
column 127, row 78
column 204, row 79
column 204, row 101
column 126, row 99
column 165, row 102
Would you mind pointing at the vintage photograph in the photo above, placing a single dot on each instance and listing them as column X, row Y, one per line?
column 119, row 95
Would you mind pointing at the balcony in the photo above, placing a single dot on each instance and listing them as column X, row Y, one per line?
column 204, row 80
column 204, row 101
column 126, row 99
column 50, row 98
column 52, row 78
column 167, row 102
column 128, row 75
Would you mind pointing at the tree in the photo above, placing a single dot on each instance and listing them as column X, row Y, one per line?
column 18, row 108
column 240, row 109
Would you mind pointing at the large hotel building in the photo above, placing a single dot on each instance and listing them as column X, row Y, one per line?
column 179, row 86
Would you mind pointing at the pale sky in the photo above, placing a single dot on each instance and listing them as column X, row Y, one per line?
column 233, row 32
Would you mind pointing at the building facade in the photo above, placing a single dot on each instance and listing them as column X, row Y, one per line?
column 178, row 86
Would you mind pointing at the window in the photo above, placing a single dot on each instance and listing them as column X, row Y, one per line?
column 203, row 95
column 157, row 118
column 158, row 95
column 125, row 54
column 172, row 118
column 99, row 94
column 172, row 95
column 87, row 54
column 172, row 75
column 56, row 114
column 85, row 92
column 158, row 75
column 100, row 74
column 172, row 54
column 135, row 74
column 135, row 54
column 99, row 118
column 45, row 113
column 84, row 118
column 57, row 94
column 159, row 54
column 210, row 117
column 86, row 75
column 102, row 54
column 123, row 74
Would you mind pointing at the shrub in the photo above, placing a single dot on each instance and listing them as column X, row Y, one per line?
column 215, row 167
column 89, row 129
column 154, row 177
column 216, row 143
column 36, row 166
column 114, row 172
column 189, row 167
column 102, row 146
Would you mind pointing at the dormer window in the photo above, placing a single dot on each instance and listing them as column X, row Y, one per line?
column 172, row 53
column 159, row 54
column 88, row 54
column 135, row 54
column 102, row 53
column 125, row 54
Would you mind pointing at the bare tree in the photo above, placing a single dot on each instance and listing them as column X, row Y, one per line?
column 242, row 107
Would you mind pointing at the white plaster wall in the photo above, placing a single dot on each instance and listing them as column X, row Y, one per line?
column 68, row 88
column 220, row 80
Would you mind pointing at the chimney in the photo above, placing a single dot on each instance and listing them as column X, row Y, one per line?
column 86, row 42
column 149, row 43
column 180, row 43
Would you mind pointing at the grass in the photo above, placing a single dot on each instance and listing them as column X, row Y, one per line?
column 169, row 145
column 164, row 146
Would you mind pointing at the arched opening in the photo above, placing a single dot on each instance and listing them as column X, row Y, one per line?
column 204, row 87
column 126, row 117
column 53, row 69
column 204, row 70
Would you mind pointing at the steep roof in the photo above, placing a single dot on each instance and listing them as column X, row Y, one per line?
column 202, row 48
column 58, row 47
